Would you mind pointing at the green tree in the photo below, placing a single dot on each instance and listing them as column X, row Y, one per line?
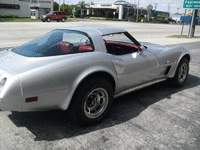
column 48, row 10
column 154, row 14
column 55, row 6
column 82, row 5
column 68, row 9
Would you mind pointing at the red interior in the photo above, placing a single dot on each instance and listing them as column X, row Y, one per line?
column 118, row 48
column 65, row 47
column 85, row 48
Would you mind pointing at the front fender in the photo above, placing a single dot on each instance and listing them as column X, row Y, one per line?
column 184, row 53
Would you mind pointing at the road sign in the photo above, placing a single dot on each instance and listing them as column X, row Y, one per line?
column 192, row 4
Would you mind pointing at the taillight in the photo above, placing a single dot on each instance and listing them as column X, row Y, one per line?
column 3, row 81
column 31, row 99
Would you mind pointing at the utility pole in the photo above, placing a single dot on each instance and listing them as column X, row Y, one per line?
column 63, row 5
column 183, row 22
column 137, row 11
column 177, row 12
column 169, row 8
column 193, row 23
column 59, row 5
column 156, row 5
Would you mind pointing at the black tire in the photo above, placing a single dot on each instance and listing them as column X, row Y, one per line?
column 48, row 19
column 181, row 73
column 91, row 101
column 63, row 19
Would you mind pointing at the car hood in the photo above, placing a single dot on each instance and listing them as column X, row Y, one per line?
column 153, row 47
column 16, row 64
column 159, row 49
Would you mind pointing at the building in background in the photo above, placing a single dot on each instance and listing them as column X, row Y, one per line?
column 25, row 8
column 119, row 9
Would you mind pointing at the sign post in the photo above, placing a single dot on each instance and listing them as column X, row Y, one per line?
column 192, row 4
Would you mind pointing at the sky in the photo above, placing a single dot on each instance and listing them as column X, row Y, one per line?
column 162, row 5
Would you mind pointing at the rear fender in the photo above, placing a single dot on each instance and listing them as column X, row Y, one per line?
column 81, row 77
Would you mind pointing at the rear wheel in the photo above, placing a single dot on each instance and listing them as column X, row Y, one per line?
column 181, row 73
column 92, row 101
column 63, row 19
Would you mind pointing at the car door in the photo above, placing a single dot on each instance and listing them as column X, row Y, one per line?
column 134, row 69
column 59, row 15
column 132, row 66
column 54, row 15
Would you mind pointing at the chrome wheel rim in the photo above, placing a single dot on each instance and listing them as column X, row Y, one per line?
column 48, row 19
column 63, row 19
column 96, row 103
column 182, row 72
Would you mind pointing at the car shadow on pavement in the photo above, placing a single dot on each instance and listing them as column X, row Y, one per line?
column 55, row 125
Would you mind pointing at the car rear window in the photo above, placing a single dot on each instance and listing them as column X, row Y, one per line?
column 56, row 42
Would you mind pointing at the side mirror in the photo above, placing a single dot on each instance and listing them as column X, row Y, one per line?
column 142, row 48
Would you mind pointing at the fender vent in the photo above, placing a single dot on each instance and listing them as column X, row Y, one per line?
column 167, row 70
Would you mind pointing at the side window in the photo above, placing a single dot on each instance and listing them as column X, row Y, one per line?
column 64, row 13
column 119, row 44
column 78, row 41
column 59, row 13
column 55, row 13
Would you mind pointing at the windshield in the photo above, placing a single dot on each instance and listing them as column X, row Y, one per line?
column 120, row 37
column 50, row 13
column 57, row 42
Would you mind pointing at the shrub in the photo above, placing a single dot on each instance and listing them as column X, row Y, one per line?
column 9, row 16
column 133, row 19
column 164, row 21
column 15, row 16
column 155, row 21
column 70, row 16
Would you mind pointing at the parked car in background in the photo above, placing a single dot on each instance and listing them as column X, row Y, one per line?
column 172, row 20
column 55, row 15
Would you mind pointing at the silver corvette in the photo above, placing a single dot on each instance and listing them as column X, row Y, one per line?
column 81, row 69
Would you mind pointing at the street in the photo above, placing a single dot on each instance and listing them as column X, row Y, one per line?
column 158, row 117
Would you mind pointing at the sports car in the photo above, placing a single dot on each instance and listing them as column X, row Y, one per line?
column 81, row 69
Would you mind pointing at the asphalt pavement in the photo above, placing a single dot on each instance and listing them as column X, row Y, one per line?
column 158, row 117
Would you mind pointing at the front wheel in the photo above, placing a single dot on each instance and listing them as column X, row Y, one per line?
column 48, row 19
column 181, row 73
column 92, row 101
